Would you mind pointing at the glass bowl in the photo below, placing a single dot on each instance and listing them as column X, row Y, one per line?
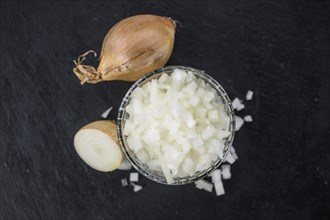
column 158, row 176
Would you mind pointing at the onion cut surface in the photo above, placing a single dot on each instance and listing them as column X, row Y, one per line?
column 96, row 144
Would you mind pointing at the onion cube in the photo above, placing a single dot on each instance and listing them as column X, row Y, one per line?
column 106, row 112
column 124, row 182
column 134, row 177
column 179, row 75
column 219, row 190
column 238, row 123
column 223, row 134
column 137, row 188
column 154, row 165
column 248, row 118
column 201, row 112
column 190, row 76
column 233, row 152
column 236, row 102
column 240, row 107
column 134, row 142
column 203, row 184
column 225, row 171
column 208, row 96
column 230, row 159
column 163, row 78
column 194, row 101
column 213, row 115
column 208, row 132
column 188, row 166
column 190, row 122
column 216, row 175
column 249, row 95
column 143, row 156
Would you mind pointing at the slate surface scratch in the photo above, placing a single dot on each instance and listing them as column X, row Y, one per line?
column 278, row 49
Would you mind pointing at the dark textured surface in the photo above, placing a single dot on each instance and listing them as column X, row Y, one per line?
column 278, row 49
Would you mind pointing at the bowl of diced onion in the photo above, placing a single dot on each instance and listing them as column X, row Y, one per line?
column 176, row 125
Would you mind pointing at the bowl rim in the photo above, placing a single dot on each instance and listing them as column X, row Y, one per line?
column 155, row 74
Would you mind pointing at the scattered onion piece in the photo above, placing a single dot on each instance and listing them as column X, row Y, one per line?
column 124, row 182
column 236, row 102
column 249, row 95
column 134, row 177
column 248, row 118
column 219, row 190
column 216, row 175
column 225, row 171
column 137, row 188
column 230, row 159
column 106, row 112
column 240, row 107
column 203, row 184
column 238, row 123
column 233, row 152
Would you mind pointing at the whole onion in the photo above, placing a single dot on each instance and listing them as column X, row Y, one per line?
column 132, row 48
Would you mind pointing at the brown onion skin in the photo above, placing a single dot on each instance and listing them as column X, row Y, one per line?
column 132, row 48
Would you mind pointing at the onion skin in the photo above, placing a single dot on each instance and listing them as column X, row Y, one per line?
column 132, row 48
column 106, row 126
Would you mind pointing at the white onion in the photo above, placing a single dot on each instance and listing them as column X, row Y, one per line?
column 177, row 124
column 134, row 177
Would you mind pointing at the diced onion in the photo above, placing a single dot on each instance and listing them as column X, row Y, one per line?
column 219, row 190
column 237, row 104
column 233, row 152
column 225, row 171
column 216, row 175
column 137, row 188
column 134, row 177
column 124, row 182
column 248, row 118
column 238, row 122
column 240, row 107
column 230, row 159
column 203, row 184
column 177, row 123
column 249, row 95
column 106, row 112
